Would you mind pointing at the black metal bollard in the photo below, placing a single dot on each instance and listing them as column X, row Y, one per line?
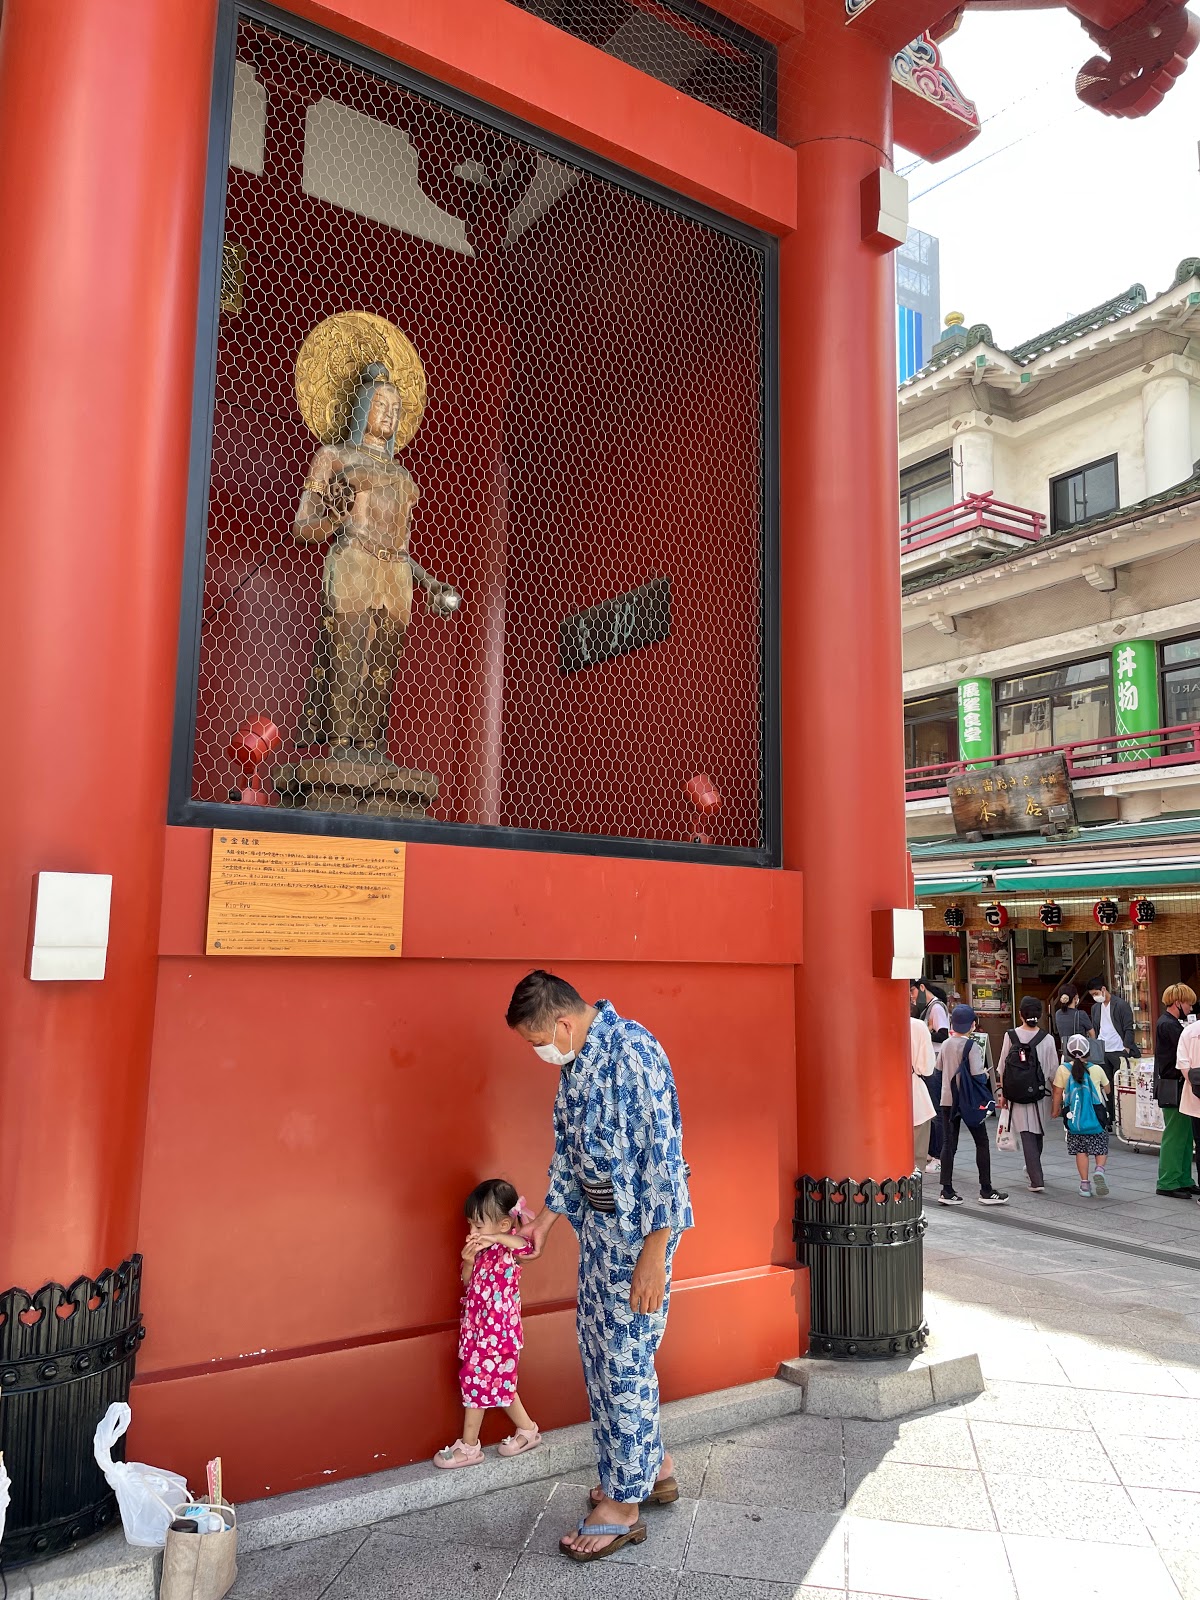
column 65, row 1356
column 861, row 1243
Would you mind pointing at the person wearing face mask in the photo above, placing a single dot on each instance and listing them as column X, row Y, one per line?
column 619, row 1177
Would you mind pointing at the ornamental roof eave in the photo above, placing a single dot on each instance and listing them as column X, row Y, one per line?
column 1115, row 321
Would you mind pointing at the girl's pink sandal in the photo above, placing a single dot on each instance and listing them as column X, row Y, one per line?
column 459, row 1454
column 524, row 1439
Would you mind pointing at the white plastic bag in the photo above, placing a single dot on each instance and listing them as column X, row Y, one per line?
column 5, row 1485
column 1006, row 1139
column 147, row 1496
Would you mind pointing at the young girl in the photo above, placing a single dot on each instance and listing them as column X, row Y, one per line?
column 490, row 1328
column 1081, row 1090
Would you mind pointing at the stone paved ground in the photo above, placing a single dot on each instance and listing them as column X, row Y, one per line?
column 1075, row 1477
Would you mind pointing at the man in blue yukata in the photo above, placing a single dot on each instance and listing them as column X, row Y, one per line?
column 619, row 1177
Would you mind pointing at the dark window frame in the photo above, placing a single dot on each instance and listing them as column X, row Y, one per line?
column 943, row 458
column 1081, row 472
column 1001, row 702
column 182, row 809
column 950, row 698
column 1167, row 668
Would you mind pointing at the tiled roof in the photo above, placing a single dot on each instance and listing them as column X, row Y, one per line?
column 1178, row 494
column 959, row 340
column 1086, row 322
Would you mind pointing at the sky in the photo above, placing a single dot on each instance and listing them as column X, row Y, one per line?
column 1054, row 207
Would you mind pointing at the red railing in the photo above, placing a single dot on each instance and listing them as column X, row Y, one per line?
column 977, row 511
column 1125, row 752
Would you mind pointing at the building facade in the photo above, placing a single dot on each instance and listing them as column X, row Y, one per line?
column 918, row 302
column 1050, row 506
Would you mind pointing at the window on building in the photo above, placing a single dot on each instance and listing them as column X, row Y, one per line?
column 1062, row 706
column 925, row 488
column 930, row 735
column 1088, row 492
column 1181, row 682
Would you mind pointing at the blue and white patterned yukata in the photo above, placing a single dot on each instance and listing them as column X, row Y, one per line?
column 616, row 1122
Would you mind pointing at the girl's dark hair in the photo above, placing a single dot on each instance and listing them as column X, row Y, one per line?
column 1079, row 1065
column 490, row 1201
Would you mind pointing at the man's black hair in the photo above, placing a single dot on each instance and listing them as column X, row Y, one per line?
column 539, row 998
column 490, row 1201
column 1099, row 983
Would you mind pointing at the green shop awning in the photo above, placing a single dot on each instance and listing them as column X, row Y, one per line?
column 937, row 888
column 1107, row 876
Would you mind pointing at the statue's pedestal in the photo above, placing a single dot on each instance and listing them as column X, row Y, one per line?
column 364, row 783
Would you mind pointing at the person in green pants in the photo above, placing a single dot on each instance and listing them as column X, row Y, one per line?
column 1175, row 1155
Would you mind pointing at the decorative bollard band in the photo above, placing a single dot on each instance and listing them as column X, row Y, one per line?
column 861, row 1243
column 65, row 1356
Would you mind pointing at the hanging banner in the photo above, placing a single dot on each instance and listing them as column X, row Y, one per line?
column 975, row 719
column 1135, row 696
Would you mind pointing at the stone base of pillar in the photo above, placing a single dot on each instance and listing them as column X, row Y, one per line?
column 862, row 1245
column 65, row 1356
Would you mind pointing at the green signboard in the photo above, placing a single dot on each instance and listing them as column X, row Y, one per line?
column 975, row 722
column 1135, row 696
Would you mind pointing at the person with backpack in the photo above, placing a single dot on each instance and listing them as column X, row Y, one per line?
column 1026, row 1072
column 929, row 1003
column 1081, row 1096
column 1070, row 1017
column 966, row 1098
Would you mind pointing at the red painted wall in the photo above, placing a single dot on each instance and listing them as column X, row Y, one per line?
column 314, row 1127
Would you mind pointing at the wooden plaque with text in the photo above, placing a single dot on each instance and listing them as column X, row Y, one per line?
column 286, row 894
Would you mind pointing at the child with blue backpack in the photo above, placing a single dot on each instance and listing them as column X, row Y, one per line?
column 1081, row 1095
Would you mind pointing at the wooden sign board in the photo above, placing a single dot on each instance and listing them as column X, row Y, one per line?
column 1031, row 796
column 286, row 894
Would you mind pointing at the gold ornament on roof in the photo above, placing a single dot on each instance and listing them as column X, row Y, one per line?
column 330, row 368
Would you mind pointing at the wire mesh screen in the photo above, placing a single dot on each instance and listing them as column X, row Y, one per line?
column 484, row 525
column 687, row 46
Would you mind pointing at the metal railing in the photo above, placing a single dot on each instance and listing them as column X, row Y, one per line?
column 1161, row 747
column 977, row 512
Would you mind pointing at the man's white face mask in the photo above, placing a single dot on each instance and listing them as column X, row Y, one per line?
column 551, row 1054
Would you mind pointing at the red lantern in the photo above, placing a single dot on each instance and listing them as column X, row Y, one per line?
column 706, row 798
column 1142, row 911
column 252, row 744
column 996, row 916
column 1106, row 912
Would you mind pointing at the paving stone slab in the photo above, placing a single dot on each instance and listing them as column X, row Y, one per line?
column 746, row 1476
column 947, row 1497
column 937, row 1440
column 539, row 1577
column 767, row 1544
column 1040, row 1452
column 391, row 1567
column 297, row 1571
column 1046, row 1568
column 1075, row 1511
column 927, row 1563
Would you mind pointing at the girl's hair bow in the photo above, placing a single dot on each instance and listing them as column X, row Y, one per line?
column 519, row 1213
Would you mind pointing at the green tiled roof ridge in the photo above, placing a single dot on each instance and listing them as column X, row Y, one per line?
column 1083, row 322
column 1121, row 305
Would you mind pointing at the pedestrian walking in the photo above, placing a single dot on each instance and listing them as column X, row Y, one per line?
column 929, row 1003
column 1112, row 1025
column 619, row 1176
column 966, row 1096
column 925, row 1118
column 1070, row 1017
column 1187, row 1060
column 1080, row 1097
column 1179, row 1130
column 1026, row 1074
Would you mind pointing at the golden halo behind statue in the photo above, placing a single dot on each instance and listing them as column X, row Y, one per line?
column 330, row 366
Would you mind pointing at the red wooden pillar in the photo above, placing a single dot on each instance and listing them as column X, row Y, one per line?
column 843, row 760
column 104, row 110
